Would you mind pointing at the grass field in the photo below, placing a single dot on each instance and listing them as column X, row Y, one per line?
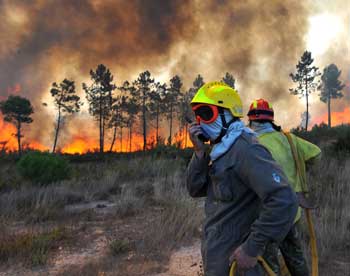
column 125, row 215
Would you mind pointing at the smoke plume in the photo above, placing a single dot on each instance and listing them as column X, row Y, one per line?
column 46, row 41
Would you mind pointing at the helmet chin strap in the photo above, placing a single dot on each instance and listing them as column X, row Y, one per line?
column 225, row 125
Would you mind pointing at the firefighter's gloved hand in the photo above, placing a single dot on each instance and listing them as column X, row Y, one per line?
column 243, row 260
column 198, row 145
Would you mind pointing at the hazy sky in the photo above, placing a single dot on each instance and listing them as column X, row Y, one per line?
column 259, row 42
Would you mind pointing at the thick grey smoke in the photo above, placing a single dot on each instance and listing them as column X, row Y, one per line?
column 46, row 41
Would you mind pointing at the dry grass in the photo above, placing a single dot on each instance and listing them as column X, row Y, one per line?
column 32, row 248
column 135, row 187
column 115, row 181
column 330, row 183
column 176, row 225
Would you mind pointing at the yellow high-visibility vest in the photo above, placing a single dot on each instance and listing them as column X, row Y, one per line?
column 277, row 143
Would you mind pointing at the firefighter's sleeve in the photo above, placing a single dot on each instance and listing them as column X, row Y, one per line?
column 310, row 152
column 197, row 176
column 279, row 204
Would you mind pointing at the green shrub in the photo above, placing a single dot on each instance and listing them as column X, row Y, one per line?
column 322, row 133
column 119, row 246
column 342, row 144
column 43, row 168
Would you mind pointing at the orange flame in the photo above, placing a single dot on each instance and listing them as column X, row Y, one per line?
column 81, row 144
column 7, row 132
column 8, row 139
column 338, row 118
column 182, row 138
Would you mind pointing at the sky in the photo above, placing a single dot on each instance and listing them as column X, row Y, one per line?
column 42, row 42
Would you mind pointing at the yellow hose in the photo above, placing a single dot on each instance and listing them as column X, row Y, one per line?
column 301, row 173
column 313, row 244
column 260, row 260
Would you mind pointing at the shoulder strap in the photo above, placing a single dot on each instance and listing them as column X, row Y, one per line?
column 300, row 170
column 294, row 151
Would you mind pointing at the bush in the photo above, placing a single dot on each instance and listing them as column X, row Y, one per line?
column 342, row 144
column 43, row 168
column 119, row 246
column 322, row 133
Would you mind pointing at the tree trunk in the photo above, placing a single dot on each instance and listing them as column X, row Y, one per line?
column 19, row 137
column 121, row 139
column 329, row 110
column 130, row 137
column 57, row 130
column 101, row 123
column 186, row 127
column 157, row 125
column 114, row 135
column 171, row 123
column 103, row 133
column 307, row 104
column 144, row 122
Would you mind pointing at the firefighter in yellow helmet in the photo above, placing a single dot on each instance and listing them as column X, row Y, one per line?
column 249, row 202
column 261, row 120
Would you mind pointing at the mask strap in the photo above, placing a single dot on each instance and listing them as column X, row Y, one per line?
column 225, row 125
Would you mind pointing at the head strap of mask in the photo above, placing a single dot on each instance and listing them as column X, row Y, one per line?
column 225, row 125
column 274, row 126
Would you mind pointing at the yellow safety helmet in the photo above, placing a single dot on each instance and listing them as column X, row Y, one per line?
column 219, row 94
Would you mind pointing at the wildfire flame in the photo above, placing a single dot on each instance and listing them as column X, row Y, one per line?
column 6, row 135
column 8, row 139
column 182, row 138
column 338, row 118
column 80, row 144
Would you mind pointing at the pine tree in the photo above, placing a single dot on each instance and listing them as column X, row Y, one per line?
column 330, row 87
column 185, row 107
column 131, row 106
column 305, row 78
column 99, row 96
column 156, row 105
column 132, row 110
column 171, row 97
column 17, row 111
column 118, row 118
column 143, row 87
column 229, row 80
column 66, row 101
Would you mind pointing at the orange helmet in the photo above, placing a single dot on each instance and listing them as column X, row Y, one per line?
column 260, row 110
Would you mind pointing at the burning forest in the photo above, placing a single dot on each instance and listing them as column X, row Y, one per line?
column 170, row 43
column 105, row 165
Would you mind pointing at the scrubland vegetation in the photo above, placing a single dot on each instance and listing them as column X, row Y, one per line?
column 136, row 206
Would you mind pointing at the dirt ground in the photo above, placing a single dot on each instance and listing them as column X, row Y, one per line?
column 89, row 253
column 94, row 226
